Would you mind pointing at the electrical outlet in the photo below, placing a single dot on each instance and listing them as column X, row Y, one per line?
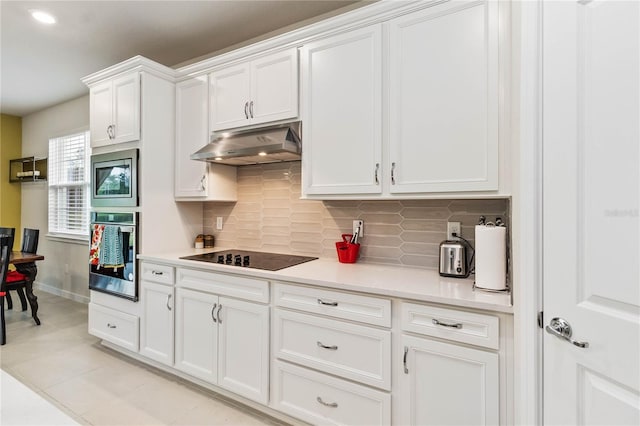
column 219, row 222
column 358, row 224
column 453, row 228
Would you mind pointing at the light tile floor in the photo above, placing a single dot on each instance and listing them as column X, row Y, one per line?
column 93, row 385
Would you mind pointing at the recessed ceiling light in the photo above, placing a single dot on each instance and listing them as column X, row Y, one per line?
column 42, row 16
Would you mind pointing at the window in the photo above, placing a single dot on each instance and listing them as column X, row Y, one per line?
column 69, row 186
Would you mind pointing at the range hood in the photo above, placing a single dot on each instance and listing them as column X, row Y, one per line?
column 270, row 144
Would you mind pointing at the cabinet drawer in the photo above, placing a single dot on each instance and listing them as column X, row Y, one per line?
column 370, row 310
column 156, row 273
column 451, row 324
column 252, row 289
column 114, row 326
column 352, row 351
column 321, row 399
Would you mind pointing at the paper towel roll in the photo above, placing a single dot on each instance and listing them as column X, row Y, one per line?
column 491, row 257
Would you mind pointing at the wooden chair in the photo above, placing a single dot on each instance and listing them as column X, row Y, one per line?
column 9, row 233
column 6, row 243
column 16, row 280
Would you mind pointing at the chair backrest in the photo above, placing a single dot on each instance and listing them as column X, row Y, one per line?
column 5, row 252
column 11, row 233
column 30, row 240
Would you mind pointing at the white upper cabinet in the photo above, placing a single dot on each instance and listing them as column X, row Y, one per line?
column 115, row 110
column 342, row 113
column 444, row 97
column 414, row 117
column 198, row 180
column 260, row 91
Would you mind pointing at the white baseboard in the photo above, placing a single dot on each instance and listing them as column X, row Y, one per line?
column 59, row 292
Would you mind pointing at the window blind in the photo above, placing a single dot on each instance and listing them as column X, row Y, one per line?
column 68, row 177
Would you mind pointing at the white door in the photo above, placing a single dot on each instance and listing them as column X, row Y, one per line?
column 444, row 97
column 342, row 113
column 274, row 87
column 100, row 111
column 197, row 334
column 191, row 135
column 229, row 97
column 156, row 336
column 126, row 108
column 591, row 258
column 447, row 384
column 244, row 349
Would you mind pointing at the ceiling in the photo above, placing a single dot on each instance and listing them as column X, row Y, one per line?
column 41, row 65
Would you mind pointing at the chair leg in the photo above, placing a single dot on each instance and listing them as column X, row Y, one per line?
column 23, row 298
column 9, row 301
column 3, row 330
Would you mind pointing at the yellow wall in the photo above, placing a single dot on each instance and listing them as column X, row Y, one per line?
column 10, row 193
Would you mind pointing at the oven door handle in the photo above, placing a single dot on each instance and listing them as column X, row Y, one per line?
column 129, row 229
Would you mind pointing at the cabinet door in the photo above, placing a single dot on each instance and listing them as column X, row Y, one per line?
column 274, row 87
column 229, row 97
column 156, row 337
column 448, row 384
column 126, row 108
column 191, row 135
column 197, row 334
column 444, row 99
column 100, row 111
column 243, row 365
column 342, row 95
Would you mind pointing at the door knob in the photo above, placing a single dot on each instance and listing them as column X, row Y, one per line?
column 561, row 328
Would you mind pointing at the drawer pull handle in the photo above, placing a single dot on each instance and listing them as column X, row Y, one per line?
column 331, row 348
column 444, row 324
column 327, row 404
column 213, row 316
column 322, row 302
column 404, row 360
column 111, row 325
column 157, row 272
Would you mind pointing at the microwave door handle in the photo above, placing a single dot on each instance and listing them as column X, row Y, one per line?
column 128, row 229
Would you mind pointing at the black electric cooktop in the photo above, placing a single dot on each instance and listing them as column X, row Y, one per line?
column 251, row 259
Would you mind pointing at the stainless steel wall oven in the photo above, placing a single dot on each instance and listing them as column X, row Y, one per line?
column 112, row 254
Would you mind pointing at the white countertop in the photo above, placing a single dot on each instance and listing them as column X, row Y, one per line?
column 395, row 281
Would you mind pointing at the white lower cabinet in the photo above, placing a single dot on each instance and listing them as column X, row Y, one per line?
column 330, row 369
column 322, row 399
column 156, row 320
column 156, row 336
column 223, row 341
column 114, row 326
column 447, row 383
column 197, row 334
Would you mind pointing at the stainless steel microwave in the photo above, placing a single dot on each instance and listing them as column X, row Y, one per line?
column 114, row 179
